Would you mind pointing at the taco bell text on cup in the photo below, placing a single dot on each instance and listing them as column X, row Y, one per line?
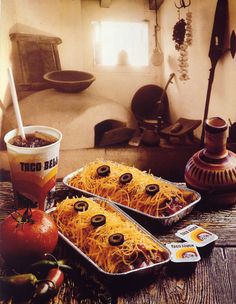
column 34, row 164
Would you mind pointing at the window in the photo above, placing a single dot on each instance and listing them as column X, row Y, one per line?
column 121, row 43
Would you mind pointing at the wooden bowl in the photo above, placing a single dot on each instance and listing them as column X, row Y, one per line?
column 69, row 80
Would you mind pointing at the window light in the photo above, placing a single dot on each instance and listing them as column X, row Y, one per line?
column 121, row 43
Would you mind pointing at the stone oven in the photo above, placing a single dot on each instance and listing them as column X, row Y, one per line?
column 85, row 120
column 79, row 116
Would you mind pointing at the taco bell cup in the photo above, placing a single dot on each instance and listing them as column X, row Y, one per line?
column 33, row 170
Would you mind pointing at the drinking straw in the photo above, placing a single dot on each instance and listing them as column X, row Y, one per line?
column 16, row 103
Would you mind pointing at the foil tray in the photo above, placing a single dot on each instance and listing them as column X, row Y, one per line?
column 139, row 215
column 147, row 270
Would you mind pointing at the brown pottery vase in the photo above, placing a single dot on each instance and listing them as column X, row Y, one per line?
column 212, row 170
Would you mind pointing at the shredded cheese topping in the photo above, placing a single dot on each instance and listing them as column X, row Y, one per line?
column 138, row 250
column 166, row 201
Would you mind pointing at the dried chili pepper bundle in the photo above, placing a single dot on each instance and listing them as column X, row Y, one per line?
column 179, row 33
column 182, row 35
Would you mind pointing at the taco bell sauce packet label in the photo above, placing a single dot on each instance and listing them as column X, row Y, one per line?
column 183, row 252
column 196, row 235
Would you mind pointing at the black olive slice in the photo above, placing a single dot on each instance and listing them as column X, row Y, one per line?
column 81, row 206
column 152, row 189
column 125, row 178
column 116, row 239
column 98, row 220
column 103, row 170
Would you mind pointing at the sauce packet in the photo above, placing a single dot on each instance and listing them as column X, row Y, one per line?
column 183, row 252
column 196, row 235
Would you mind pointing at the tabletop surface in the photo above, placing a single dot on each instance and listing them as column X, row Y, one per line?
column 212, row 281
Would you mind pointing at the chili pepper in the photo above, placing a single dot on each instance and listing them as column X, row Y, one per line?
column 44, row 291
column 56, row 276
column 20, row 285
column 49, row 287
column 42, row 267
column 19, row 279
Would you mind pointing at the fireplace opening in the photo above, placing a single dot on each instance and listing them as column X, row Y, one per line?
column 112, row 132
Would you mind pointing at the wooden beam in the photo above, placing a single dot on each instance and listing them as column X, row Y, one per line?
column 105, row 3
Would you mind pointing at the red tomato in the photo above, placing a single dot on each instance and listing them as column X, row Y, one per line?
column 26, row 235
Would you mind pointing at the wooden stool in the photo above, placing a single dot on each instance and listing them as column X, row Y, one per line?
column 181, row 129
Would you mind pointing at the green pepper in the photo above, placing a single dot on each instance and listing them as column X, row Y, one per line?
column 18, row 286
column 42, row 267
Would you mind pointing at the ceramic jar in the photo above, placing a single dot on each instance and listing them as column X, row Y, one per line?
column 150, row 138
column 212, row 170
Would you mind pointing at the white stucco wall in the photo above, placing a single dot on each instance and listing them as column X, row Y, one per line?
column 118, row 83
column 187, row 99
column 7, row 21
column 60, row 18
column 71, row 21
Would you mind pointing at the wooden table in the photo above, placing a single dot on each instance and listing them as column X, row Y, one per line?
column 213, row 280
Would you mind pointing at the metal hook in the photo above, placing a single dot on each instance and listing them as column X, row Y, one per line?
column 183, row 4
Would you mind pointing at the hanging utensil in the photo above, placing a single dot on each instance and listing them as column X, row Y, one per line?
column 172, row 75
column 151, row 108
column 233, row 44
column 217, row 49
column 182, row 4
column 157, row 55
